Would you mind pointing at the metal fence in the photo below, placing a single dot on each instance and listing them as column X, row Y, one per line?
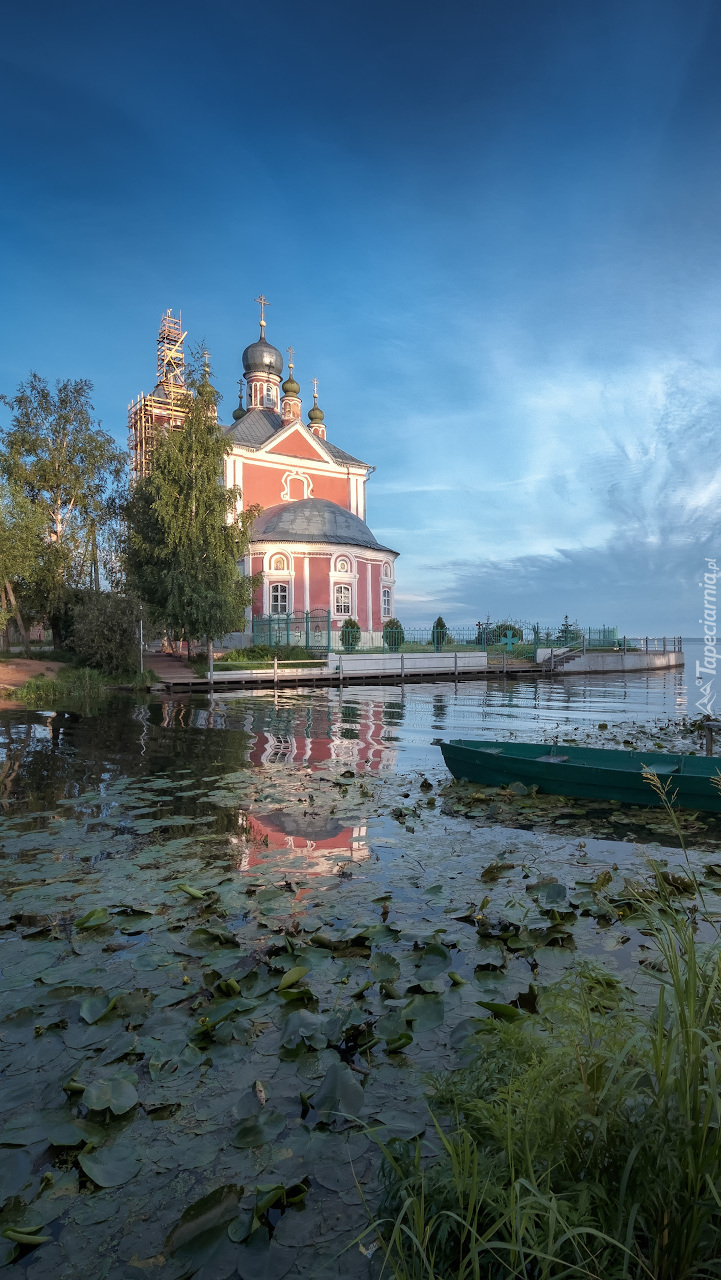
column 317, row 631
column 310, row 630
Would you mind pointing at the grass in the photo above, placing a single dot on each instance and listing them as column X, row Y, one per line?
column 580, row 1141
column 76, row 685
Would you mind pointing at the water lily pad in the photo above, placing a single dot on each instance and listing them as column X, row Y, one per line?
column 256, row 1130
column 93, row 1008
column 434, row 960
column 110, row 1167
column 15, row 1170
column 217, row 1209
column 292, row 977
column 94, row 918
column 340, row 1097
column 117, row 1093
column 262, row 1259
column 385, row 967
column 425, row 1012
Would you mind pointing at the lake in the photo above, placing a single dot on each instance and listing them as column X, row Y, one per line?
column 237, row 934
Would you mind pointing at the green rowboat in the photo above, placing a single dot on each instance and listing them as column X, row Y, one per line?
column 587, row 772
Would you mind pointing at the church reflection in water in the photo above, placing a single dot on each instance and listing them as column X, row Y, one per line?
column 340, row 732
column 355, row 732
column 321, row 841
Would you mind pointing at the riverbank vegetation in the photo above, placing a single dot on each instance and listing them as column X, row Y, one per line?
column 582, row 1135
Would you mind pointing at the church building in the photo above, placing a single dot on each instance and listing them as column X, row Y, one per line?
column 311, row 545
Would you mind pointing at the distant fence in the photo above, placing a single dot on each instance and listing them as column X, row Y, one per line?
column 317, row 631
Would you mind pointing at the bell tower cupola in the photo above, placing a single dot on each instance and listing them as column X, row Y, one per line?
column 290, row 404
column 263, row 368
column 316, row 415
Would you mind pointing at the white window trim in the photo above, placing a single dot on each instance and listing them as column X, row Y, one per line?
column 342, row 586
column 278, row 613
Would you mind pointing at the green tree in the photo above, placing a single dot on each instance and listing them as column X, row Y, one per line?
column 393, row 635
column 185, row 535
column 55, row 453
column 22, row 551
column 350, row 635
column 105, row 631
column 439, row 632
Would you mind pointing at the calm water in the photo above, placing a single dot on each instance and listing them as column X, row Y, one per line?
column 373, row 728
column 240, row 837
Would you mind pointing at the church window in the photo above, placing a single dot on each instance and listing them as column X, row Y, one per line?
column 342, row 600
column 279, row 563
column 386, row 603
column 270, row 395
column 279, row 598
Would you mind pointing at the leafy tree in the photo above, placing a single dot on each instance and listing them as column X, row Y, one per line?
column 56, row 455
column 105, row 631
column 393, row 635
column 22, row 549
column 185, row 536
column 350, row 635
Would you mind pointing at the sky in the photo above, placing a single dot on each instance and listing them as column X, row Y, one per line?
column 490, row 229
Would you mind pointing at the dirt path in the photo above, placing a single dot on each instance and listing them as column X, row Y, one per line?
column 18, row 671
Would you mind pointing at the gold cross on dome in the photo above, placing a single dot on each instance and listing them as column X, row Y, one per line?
column 315, row 388
column 291, row 353
column 263, row 301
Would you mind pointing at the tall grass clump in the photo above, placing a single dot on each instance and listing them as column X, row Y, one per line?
column 75, row 687
column 584, row 1140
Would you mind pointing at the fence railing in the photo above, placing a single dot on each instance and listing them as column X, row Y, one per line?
column 556, row 654
column 317, row 631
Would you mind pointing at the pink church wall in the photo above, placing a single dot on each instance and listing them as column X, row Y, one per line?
column 320, row 582
column 362, row 593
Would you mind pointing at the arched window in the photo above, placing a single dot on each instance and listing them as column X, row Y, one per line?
column 279, row 563
column 279, row 598
column 386, row 602
column 270, row 401
column 342, row 600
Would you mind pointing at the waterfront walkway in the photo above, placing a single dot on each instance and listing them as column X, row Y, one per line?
column 364, row 669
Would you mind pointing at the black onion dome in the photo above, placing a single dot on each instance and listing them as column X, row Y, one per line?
column 261, row 357
column 313, row 520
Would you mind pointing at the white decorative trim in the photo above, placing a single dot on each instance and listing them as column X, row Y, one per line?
column 296, row 475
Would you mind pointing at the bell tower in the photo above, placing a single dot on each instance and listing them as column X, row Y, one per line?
column 263, row 369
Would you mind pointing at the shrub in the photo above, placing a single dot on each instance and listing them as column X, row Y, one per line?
column 393, row 635
column 105, row 632
column 266, row 653
column 350, row 634
column 439, row 632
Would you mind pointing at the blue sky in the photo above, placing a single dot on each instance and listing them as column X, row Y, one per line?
column 490, row 229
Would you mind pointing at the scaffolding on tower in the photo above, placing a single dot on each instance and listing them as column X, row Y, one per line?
column 150, row 416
